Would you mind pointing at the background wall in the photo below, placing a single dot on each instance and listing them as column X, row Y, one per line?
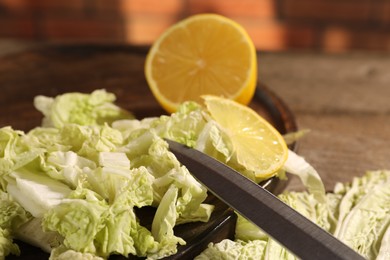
column 328, row 25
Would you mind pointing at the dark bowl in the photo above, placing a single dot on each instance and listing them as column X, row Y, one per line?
column 55, row 69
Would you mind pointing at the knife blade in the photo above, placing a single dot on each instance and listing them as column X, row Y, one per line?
column 291, row 229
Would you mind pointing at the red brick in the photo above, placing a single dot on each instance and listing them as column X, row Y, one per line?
column 137, row 7
column 385, row 13
column 332, row 25
column 17, row 26
column 265, row 35
column 143, row 29
column 46, row 6
column 336, row 39
column 43, row 6
column 248, row 8
column 371, row 39
column 276, row 36
column 268, row 37
column 82, row 28
column 327, row 10
column 300, row 37
column 15, row 6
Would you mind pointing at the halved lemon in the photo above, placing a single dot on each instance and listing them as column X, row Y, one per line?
column 257, row 145
column 203, row 54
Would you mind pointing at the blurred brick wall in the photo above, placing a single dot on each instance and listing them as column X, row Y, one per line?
column 330, row 25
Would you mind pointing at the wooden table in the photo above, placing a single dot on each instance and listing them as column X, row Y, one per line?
column 344, row 99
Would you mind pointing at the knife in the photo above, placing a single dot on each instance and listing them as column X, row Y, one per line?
column 295, row 232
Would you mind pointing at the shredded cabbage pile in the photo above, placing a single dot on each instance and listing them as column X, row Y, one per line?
column 72, row 186
column 357, row 213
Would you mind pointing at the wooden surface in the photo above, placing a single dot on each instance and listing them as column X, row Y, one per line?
column 344, row 99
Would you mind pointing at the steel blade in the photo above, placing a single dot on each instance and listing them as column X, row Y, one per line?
column 295, row 232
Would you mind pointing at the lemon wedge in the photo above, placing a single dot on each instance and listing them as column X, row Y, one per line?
column 257, row 145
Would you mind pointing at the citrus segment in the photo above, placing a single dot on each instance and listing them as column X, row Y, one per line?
column 257, row 145
column 203, row 54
